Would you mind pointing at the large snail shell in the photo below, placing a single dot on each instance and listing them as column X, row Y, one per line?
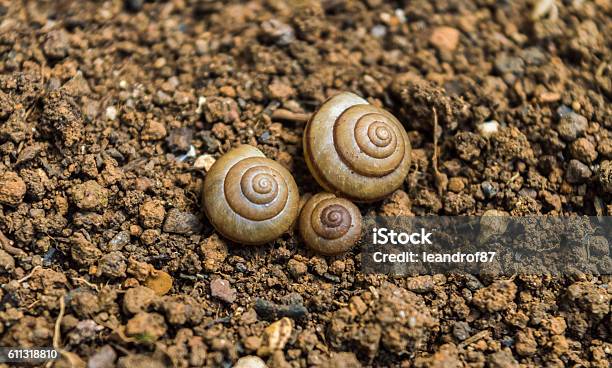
column 249, row 198
column 355, row 149
column 330, row 225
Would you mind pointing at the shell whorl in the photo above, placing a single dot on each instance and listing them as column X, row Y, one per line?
column 355, row 149
column 255, row 190
column 369, row 140
column 249, row 198
column 330, row 225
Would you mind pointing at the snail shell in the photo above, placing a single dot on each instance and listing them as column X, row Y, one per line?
column 330, row 225
column 355, row 149
column 249, row 198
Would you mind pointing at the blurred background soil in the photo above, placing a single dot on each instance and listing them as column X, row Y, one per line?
column 111, row 112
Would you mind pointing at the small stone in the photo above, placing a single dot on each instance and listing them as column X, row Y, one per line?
column 134, row 5
column 582, row 149
column 605, row 176
column 445, row 38
column 509, row 65
column 138, row 299
column 204, row 162
column 112, row 265
column 250, row 362
column 146, row 327
column 119, row 241
column 152, row 131
column 89, row 196
column 221, row 289
column 275, row 336
column 160, row 282
column 215, row 251
column 461, row 330
column 56, row 45
column 180, row 139
column 488, row 128
column 420, row 284
column 278, row 32
column 12, row 188
column 378, row 31
column 111, row 113
column 152, row 213
column 179, row 222
column 103, row 358
column 577, row 172
column 572, row 126
column 488, row 189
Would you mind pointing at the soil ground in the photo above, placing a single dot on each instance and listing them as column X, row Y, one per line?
column 111, row 110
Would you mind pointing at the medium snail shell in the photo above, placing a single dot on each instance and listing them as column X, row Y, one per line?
column 355, row 149
column 249, row 198
column 330, row 225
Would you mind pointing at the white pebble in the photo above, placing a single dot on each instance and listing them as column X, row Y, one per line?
column 250, row 361
column 111, row 112
column 488, row 128
column 201, row 102
column 204, row 162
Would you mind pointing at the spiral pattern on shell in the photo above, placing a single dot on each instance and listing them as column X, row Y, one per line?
column 330, row 225
column 249, row 198
column 356, row 149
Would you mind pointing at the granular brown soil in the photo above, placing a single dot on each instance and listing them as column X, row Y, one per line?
column 111, row 112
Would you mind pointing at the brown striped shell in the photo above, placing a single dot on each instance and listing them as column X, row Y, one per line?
column 329, row 225
column 355, row 149
column 249, row 198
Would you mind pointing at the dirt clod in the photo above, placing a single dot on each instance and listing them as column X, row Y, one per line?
column 12, row 188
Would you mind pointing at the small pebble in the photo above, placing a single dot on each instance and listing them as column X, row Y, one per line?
column 379, row 31
column 571, row 125
column 119, row 241
column 488, row 189
column 250, row 362
column 461, row 330
column 488, row 128
column 134, row 5
column 509, row 65
column 221, row 289
column 179, row 222
column 445, row 38
column 111, row 113
column 577, row 172
column 275, row 336
column 204, row 162
column 103, row 358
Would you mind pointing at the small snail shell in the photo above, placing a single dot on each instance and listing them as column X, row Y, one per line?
column 355, row 149
column 330, row 225
column 249, row 198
